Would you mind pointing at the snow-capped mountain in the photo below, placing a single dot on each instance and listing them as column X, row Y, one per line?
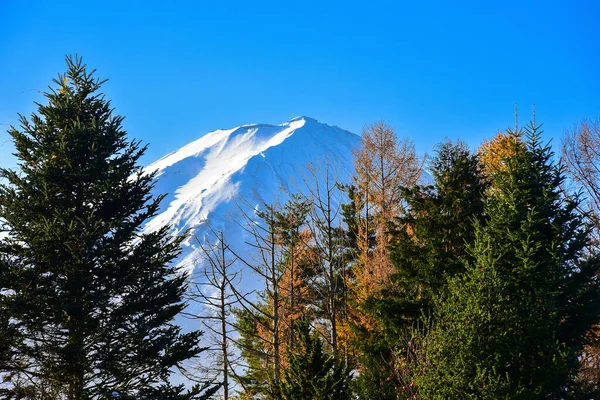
column 208, row 180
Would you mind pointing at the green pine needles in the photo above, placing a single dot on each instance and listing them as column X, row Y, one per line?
column 312, row 374
column 87, row 301
column 512, row 326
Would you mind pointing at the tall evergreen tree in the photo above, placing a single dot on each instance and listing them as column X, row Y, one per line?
column 329, row 284
column 513, row 325
column 259, row 318
column 93, row 297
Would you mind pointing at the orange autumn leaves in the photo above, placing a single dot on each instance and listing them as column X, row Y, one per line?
column 383, row 166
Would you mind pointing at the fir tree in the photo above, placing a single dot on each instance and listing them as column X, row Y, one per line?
column 312, row 375
column 431, row 241
column 93, row 297
column 514, row 324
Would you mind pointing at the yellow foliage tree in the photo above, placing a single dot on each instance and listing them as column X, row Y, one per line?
column 383, row 166
column 493, row 152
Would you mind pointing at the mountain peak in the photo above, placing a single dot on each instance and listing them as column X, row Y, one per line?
column 302, row 118
column 288, row 122
column 206, row 180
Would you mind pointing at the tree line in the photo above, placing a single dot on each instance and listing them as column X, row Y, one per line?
column 465, row 275
column 478, row 282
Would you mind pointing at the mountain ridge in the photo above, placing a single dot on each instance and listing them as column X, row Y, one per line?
column 207, row 179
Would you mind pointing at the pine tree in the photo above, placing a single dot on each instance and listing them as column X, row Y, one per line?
column 259, row 318
column 514, row 324
column 312, row 375
column 295, row 288
column 288, row 262
column 329, row 284
column 10, row 336
column 299, row 261
column 93, row 297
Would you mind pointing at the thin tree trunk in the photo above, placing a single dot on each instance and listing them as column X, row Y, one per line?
column 224, row 322
column 275, row 285
column 332, row 277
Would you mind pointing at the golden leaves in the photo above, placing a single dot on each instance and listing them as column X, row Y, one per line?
column 494, row 153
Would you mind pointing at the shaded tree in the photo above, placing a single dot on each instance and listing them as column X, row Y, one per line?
column 431, row 241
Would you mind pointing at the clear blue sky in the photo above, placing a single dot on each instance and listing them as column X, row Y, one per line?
column 432, row 69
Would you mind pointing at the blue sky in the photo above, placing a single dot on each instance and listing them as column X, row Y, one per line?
column 431, row 69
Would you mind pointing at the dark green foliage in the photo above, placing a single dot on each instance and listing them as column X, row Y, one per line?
column 311, row 374
column 378, row 378
column 167, row 391
column 513, row 325
column 289, row 220
column 93, row 297
column 432, row 239
column 9, row 328
column 374, row 357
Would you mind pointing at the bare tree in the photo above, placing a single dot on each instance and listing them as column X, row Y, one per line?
column 581, row 157
column 265, row 326
column 213, row 288
column 325, row 196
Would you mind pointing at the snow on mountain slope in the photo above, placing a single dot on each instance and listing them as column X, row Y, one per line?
column 208, row 179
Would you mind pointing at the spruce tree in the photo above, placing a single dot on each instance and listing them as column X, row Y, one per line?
column 312, row 374
column 92, row 296
column 514, row 324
